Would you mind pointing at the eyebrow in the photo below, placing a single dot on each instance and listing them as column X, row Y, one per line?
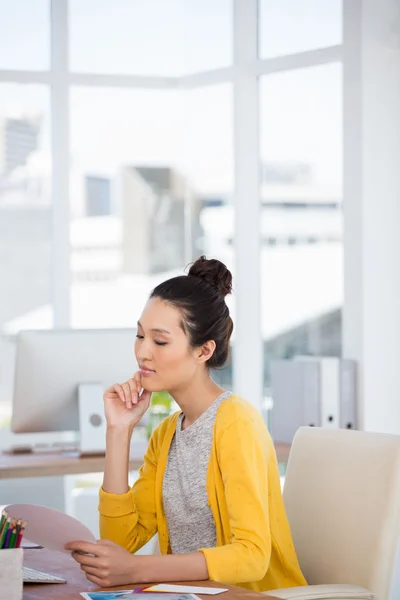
column 155, row 329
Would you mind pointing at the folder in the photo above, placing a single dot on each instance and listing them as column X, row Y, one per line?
column 329, row 369
column 315, row 391
column 348, row 395
column 295, row 389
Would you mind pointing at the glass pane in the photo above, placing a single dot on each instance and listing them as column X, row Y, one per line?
column 25, row 220
column 301, row 194
column 25, row 34
column 151, row 175
column 150, row 37
column 208, row 162
column 290, row 26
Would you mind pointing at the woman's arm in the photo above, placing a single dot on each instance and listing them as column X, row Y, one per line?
column 118, row 440
column 128, row 516
column 172, row 567
column 123, row 409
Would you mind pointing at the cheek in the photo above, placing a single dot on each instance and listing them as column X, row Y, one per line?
column 172, row 359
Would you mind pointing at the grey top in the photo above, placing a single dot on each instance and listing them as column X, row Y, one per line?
column 189, row 518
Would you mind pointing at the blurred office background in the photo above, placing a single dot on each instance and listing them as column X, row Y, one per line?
column 136, row 135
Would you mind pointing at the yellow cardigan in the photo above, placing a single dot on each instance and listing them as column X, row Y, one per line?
column 254, row 544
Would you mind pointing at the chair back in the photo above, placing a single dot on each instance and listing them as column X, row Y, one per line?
column 342, row 496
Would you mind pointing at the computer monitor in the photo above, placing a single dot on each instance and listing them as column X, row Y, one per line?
column 52, row 366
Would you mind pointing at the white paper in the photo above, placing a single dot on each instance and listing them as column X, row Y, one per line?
column 50, row 528
column 132, row 595
column 185, row 589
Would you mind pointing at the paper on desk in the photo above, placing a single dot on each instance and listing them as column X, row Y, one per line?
column 184, row 589
column 50, row 528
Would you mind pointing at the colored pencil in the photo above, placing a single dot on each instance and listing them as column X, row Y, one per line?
column 4, row 532
column 11, row 532
column 3, row 518
column 8, row 538
column 13, row 538
column 3, row 524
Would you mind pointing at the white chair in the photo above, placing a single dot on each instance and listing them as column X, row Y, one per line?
column 342, row 496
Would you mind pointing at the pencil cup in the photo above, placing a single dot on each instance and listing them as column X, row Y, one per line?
column 11, row 574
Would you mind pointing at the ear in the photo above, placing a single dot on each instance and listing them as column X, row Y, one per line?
column 205, row 352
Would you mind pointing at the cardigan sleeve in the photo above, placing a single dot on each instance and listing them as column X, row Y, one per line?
column 242, row 457
column 130, row 519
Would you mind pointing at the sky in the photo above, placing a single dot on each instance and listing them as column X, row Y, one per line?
column 190, row 129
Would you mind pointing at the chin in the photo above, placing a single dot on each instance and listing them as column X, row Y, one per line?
column 152, row 386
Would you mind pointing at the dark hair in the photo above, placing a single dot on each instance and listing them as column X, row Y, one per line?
column 200, row 297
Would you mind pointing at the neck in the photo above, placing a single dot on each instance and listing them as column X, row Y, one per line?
column 196, row 397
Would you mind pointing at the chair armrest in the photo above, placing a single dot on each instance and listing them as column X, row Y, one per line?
column 337, row 591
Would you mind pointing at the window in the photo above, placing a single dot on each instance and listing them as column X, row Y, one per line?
column 152, row 162
column 25, row 34
column 150, row 37
column 301, row 191
column 25, row 219
column 290, row 26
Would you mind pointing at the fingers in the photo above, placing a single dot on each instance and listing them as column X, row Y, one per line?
column 86, row 560
column 107, row 543
column 133, row 391
column 87, row 547
column 128, row 394
column 97, row 571
column 142, row 393
column 97, row 580
column 119, row 390
column 138, row 380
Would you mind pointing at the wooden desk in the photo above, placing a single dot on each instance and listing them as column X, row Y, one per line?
column 282, row 452
column 46, row 464
column 65, row 566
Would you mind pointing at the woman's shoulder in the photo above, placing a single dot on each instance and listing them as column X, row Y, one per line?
column 234, row 409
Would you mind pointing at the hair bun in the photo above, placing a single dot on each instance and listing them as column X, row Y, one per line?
column 214, row 272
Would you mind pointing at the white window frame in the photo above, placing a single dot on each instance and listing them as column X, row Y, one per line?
column 243, row 74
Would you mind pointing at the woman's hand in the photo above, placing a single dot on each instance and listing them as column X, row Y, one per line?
column 123, row 406
column 106, row 564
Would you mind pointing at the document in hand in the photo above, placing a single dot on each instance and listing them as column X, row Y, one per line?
column 132, row 595
column 50, row 528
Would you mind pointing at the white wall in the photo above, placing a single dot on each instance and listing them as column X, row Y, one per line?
column 371, row 333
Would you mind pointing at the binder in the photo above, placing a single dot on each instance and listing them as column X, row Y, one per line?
column 329, row 388
column 348, row 395
column 314, row 391
column 330, row 391
column 295, row 394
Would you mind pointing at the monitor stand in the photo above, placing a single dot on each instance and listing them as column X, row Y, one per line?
column 92, row 422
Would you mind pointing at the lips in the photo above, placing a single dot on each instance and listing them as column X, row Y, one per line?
column 145, row 371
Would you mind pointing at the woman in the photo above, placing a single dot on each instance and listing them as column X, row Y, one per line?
column 210, row 484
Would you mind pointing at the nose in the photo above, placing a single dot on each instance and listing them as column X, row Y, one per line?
column 142, row 350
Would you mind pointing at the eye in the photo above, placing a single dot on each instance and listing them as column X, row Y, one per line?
column 140, row 337
column 160, row 343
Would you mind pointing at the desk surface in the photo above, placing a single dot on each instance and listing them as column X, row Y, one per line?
column 63, row 565
column 46, row 464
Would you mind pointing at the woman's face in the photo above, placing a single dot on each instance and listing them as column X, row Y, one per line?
column 162, row 349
